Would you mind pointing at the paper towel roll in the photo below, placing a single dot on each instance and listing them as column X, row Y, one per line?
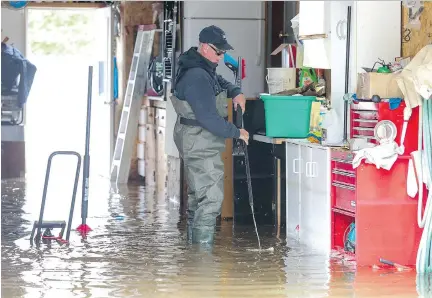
column 143, row 117
column 142, row 133
column 140, row 150
column 141, row 168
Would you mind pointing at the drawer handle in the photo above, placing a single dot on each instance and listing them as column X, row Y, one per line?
column 342, row 160
column 365, row 121
column 294, row 166
column 363, row 128
column 343, row 173
column 364, row 137
column 365, row 111
column 338, row 184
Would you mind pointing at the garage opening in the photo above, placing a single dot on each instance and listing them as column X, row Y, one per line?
column 63, row 43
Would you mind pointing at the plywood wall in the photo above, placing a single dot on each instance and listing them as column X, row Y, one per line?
column 413, row 40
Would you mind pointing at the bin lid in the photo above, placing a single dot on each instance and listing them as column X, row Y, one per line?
column 287, row 97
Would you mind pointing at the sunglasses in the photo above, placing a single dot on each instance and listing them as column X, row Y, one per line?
column 217, row 51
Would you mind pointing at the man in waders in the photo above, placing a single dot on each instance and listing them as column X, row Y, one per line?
column 200, row 100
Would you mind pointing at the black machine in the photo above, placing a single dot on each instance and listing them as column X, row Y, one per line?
column 162, row 67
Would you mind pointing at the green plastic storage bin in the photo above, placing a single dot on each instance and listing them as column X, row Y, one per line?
column 287, row 116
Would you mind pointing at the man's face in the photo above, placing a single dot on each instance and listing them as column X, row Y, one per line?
column 212, row 53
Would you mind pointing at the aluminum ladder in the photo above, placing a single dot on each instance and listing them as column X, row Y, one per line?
column 135, row 90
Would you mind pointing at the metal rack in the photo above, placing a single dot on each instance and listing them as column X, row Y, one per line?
column 11, row 112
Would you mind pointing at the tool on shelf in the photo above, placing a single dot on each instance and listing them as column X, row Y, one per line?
column 57, row 224
column 385, row 68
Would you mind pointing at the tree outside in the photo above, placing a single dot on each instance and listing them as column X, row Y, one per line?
column 60, row 32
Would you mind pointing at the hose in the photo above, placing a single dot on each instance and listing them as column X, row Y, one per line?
column 424, row 254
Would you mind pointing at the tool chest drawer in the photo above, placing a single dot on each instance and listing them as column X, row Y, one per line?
column 344, row 196
column 343, row 181
column 365, row 115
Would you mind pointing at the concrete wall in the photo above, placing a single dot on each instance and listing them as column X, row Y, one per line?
column 13, row 26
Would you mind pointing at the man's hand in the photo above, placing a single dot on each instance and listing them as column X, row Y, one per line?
column 240, row 100
column 244, row 135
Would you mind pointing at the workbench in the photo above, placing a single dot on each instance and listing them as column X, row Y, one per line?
column 324, row 195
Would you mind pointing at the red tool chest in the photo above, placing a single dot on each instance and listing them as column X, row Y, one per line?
column 365, row 115
column 376, row 201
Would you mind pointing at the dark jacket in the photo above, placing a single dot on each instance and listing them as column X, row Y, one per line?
column 198, row 83
column 13, row 63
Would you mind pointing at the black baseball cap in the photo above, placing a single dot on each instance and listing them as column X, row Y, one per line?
column 216, row 36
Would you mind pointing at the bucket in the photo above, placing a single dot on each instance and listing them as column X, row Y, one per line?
column 280, row 79
column 287, row 116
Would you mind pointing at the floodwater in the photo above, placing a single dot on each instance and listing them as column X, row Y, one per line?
column 138, row 249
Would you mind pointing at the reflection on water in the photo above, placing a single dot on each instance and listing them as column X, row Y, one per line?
column 138, row 249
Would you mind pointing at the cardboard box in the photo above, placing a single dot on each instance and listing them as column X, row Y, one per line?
column 382, row 84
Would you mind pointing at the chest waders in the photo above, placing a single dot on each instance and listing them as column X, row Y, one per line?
column 201, row 152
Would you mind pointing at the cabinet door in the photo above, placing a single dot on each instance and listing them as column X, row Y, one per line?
column 306, row 204
column 315, row 199
column 314, row 17
column 292, row 165
column 338, row 25
column 320, row 196
column 338, row 57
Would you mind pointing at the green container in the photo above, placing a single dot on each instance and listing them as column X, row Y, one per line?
column 287, row 116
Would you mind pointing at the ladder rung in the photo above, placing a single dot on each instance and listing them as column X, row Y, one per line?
column 50, row 224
